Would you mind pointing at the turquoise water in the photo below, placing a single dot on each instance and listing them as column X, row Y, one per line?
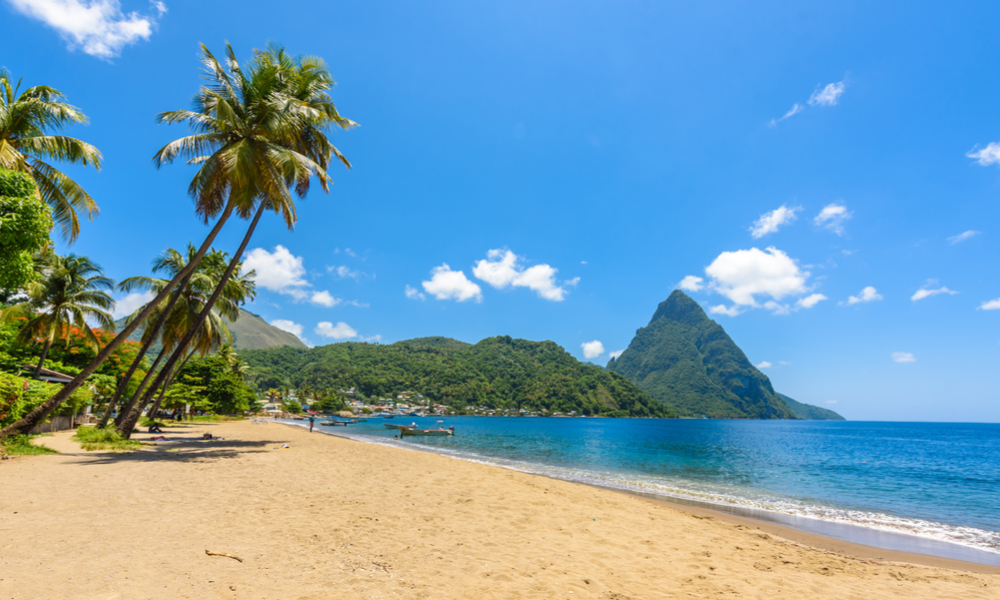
column 935, row 481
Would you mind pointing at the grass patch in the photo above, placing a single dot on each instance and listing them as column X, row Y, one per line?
column 20, row 445
column 216, row 419
column 92, row 438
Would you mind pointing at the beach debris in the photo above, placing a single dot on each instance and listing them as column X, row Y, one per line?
column 210, row 553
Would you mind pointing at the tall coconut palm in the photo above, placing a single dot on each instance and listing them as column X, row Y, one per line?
column 265, row 130
column 257, row 135
column 71, row 291
column 25, row 145
column 211, row 333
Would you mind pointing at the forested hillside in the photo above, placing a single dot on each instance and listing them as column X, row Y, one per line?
column 498, row 372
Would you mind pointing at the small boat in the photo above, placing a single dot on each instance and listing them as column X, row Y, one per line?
column 426, row 432
column 394, row 426
column 332, row 423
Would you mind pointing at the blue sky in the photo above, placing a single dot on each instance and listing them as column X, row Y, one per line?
column 553, row 170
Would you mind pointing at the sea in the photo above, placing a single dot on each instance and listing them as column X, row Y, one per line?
column 928, row 488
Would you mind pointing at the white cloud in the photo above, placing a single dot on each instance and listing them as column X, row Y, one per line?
column 372, row 338
column 289, row 326
column 446, row 284
column 764, row 365
column 98, row 27
column 990, row 305
column 869, row 294
column 691, row 283
column 592, row 349
column 340, row 331
column 955, row 239
column 324, row 299
column 903, row 357
column 502, row 268
column 615, row 354
column 831, row 402
column 414, row 293
column 924, row 292
column 742, row 275
column 794, row 110
column 990, row 155
column 832, row 217
column 810, row 301
column 128, row 305
column 278, row 271
column 721, row 309
column 828, row 96
column 343, row 271
column 770, row 222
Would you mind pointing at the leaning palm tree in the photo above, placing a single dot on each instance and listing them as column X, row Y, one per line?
column 257, row 134
column 71, row 291
column 264, row 128
column 25, row 145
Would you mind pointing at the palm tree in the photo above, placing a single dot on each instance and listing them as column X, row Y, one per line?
column 72, row 291
column 256, row 136
column 25, row 146
column 210, row 333
column 265, row 131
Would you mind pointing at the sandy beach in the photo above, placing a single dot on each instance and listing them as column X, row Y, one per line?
column 333, row 518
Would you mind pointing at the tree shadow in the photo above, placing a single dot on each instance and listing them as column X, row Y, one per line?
column 193, row 450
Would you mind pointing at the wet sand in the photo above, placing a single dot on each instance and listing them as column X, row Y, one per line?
column 330, row 517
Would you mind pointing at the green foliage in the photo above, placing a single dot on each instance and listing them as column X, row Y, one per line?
column 25, row 223
column 92, row 438
column 293, row 407
column 19, row 396
column 810, row 412
column 211, row 384
column 20, row 445
column 499, row 373
column 688, row 362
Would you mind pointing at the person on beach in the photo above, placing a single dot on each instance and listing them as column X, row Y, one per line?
column 312, row 419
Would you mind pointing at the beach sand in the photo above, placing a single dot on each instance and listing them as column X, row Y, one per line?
column 334, row 518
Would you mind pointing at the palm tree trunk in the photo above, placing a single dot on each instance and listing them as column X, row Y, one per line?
column 163, row 390
column 25, row 424
column 133, row 416
column 41, row 361
column 124, row 412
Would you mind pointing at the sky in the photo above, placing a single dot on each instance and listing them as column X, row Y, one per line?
column 823, row 179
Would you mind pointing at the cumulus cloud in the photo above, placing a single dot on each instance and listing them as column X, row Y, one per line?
column 956, row 239
column 903, row 357
column 502, row 268
column 592, row 349
column 691, row 283
column 324, row 299
column 869, row 294
column 742, row 275
column 98, row 27
column 414, row 293
column 343, row 272
column 128, row 305
column 722, row 309
column 446, row 284
column 763, row 365
column 828, row 95
column 927, row 292
column 810, row 301
column 832, row 217
column 290, row 326
column 340, row 331
column 770, row 222
column 990, row 305
column 990, row 155
column 282, row 272
column 616, row 354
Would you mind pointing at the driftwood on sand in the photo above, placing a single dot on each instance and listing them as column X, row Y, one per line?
column 210, row 553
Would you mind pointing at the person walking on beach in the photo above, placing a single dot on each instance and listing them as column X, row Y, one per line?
column 312, row 419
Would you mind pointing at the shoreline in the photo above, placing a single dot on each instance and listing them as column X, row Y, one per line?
column 815, row 533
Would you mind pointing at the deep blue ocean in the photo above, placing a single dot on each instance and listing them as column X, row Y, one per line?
column 937, row 481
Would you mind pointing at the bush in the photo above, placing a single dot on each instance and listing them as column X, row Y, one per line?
column 92, row 438
column 25, row 222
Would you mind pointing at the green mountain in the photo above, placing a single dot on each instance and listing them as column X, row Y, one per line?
column 250, row 332
column 498, row 373
column 688, row 362
column 810, row 412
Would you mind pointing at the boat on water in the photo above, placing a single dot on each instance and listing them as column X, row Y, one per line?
column 332, row 423
column 394, row 426
column 404, row 431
